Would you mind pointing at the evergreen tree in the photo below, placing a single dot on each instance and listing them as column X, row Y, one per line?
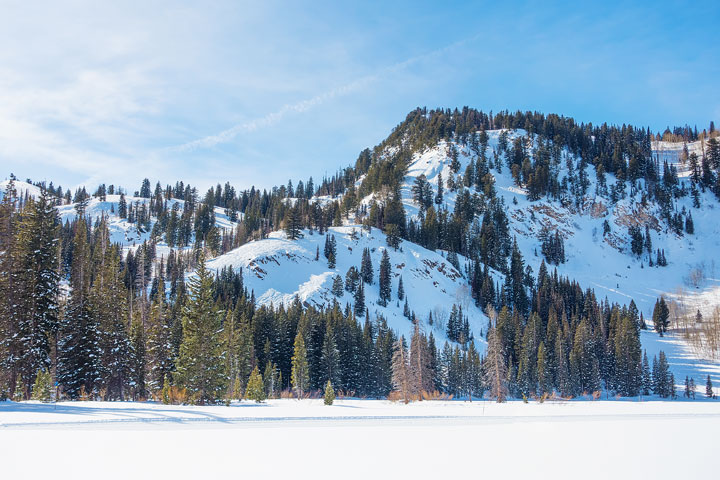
column 360, row 300
column 384, row 279
column 255, row 388
column 330, row 360
column 419, row 373
column 542, row 373
column 78, row 370
column 663, row 382
column 661, row 315
column 138, row 359
column 293, row 223
column 330, row 250
column 422, row 192
column 329, row 395
column 200, row 366
column 439, row 199
column 366, row 268
column 35, row 278
column 145, row 189
column 454, row 162
column 628, row 363
column 709, row 388
column 515, row 281
column 272, row 379
column 392, row 235
column 494, row 369
column 553, row 248
column 454, row 324
column 646, row 377
column 562, row 379
column 400, row 290
column 583, row 361
column 636, row 240
column 159, row 350
column 300, row 370
column 122, row 207
column 352, row 280
column 692, row 387
column 338, row 288
column 42, row 389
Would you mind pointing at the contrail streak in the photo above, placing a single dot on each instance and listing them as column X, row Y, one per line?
column 305, row 105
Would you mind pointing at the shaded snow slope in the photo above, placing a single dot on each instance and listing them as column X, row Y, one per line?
column 672, row 152
column 278, row 269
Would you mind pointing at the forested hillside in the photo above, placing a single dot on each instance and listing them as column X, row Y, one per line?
column 469, row 254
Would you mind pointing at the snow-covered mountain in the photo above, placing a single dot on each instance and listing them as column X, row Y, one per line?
column 277, row 269
column 597, row 261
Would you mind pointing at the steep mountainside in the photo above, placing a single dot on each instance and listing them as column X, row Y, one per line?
column 598, row 259
column 277, row 269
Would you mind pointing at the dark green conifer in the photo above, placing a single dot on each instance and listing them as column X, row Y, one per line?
column 201, row 366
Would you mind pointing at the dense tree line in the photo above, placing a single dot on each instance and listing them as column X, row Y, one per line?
column 131, row 327
column 560, row 339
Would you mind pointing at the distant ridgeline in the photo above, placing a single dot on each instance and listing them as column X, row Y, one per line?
column 109, row 292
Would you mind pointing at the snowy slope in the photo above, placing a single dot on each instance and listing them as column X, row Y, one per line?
column 278, row 269
column 672, row 152
column 22, row 188
column 122, row 231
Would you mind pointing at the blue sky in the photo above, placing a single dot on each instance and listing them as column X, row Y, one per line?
column 259, row 92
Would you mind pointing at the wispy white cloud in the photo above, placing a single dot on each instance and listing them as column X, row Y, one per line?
column 304, row 105
column 272, row 118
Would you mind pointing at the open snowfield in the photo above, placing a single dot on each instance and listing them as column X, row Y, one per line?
column 361, row 439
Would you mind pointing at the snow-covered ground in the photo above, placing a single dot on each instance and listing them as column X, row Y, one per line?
column 361, row 439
